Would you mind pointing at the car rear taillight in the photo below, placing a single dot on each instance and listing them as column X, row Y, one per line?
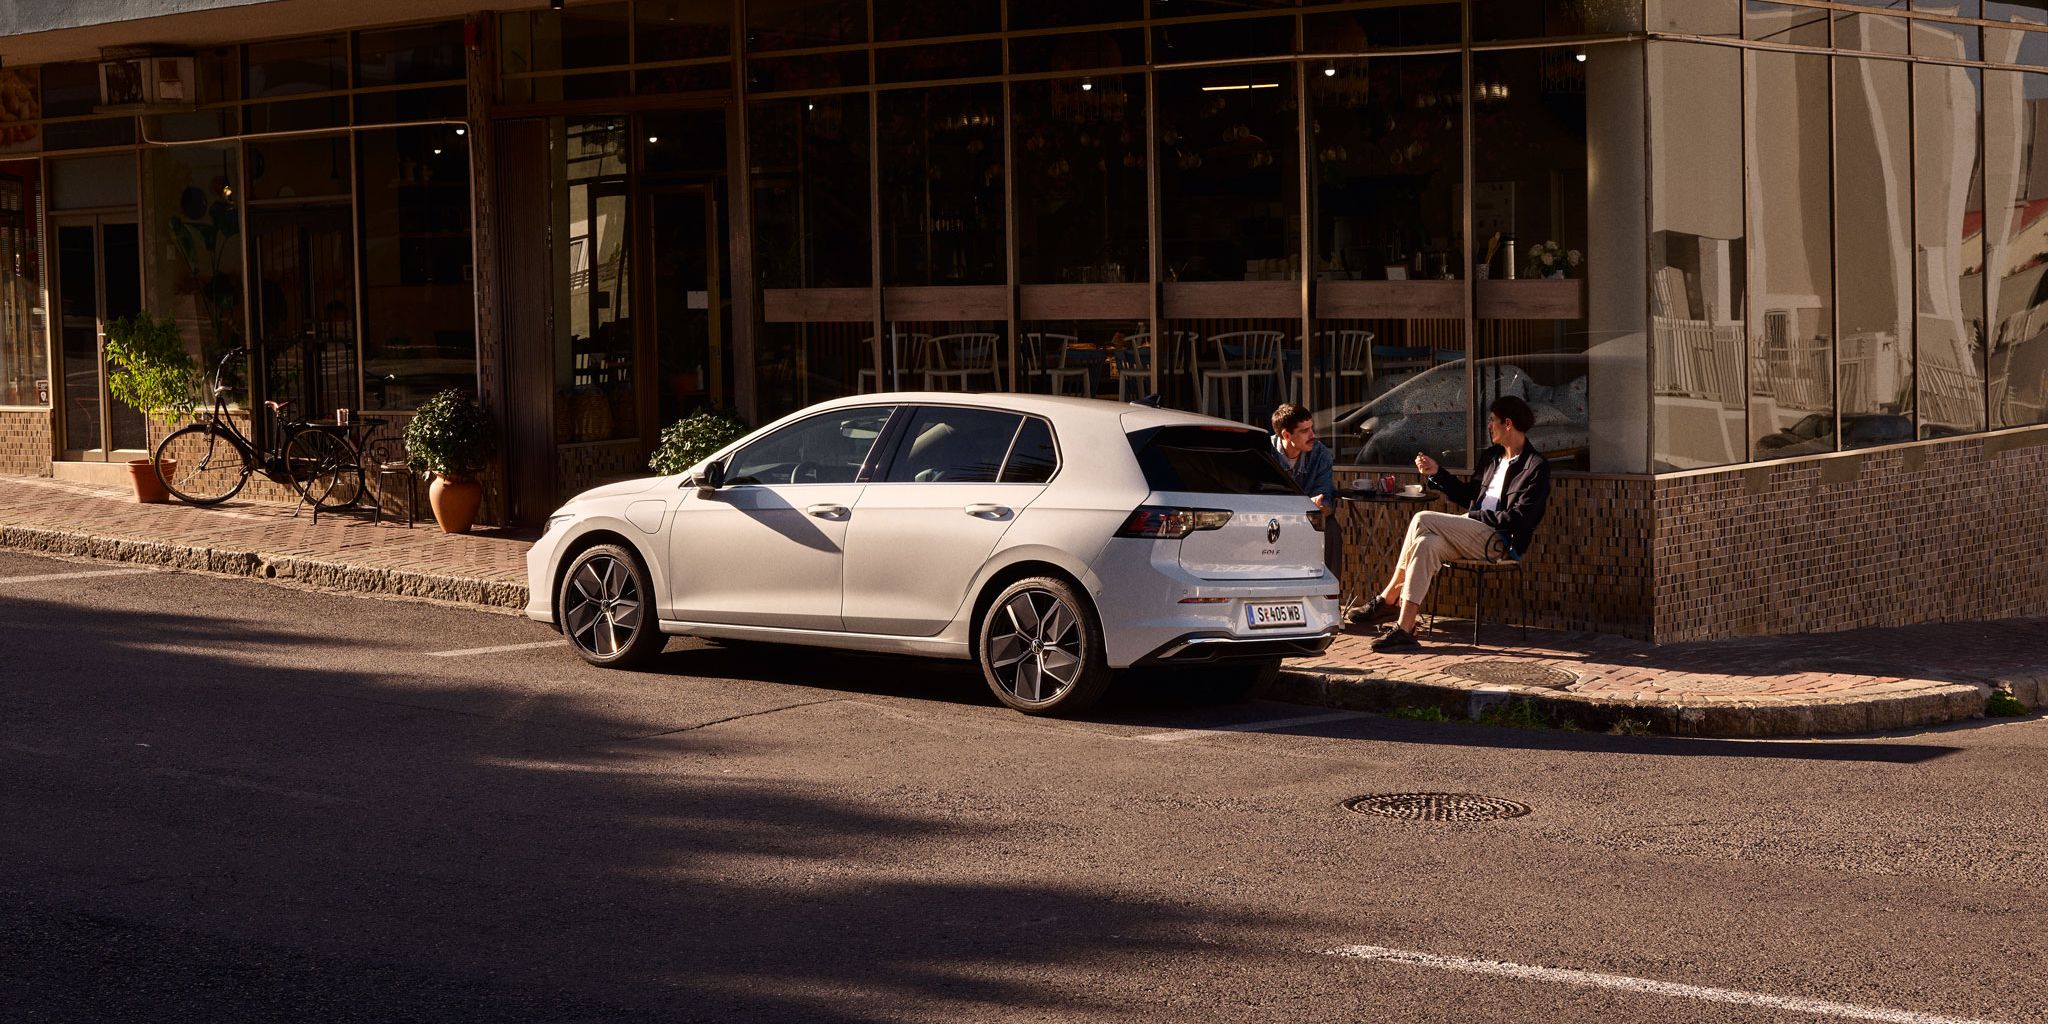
column 1156, row 522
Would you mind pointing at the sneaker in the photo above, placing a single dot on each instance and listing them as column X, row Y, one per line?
column 1396, row 639
column 1375, row 610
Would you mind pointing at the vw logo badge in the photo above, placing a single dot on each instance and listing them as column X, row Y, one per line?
column 1272, row 530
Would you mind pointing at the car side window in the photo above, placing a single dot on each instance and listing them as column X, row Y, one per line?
column 953, row 446
column 1033, row 458
column 828, row 448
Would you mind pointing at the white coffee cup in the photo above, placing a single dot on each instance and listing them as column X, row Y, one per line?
column 1412, row 489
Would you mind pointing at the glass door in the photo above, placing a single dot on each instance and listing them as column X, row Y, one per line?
column 98, row 280
column 689, row 317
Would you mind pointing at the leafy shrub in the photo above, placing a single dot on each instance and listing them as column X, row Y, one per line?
column 149, row 370
column 2004, row 705
column 451, row 436
column 687, row 441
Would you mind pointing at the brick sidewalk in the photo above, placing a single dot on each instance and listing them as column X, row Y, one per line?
column 1861, row 681
column 256, row 538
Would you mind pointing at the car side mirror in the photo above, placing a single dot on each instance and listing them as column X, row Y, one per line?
column 711, row 477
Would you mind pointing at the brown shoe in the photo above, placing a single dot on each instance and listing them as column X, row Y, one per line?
column 1394, row 640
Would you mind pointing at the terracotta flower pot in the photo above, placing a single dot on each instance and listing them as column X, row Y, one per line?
column 149, row 489
column 455, row 502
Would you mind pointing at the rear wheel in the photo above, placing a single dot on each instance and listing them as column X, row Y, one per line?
column 604, row 609
column 324, row 468
column 1041, row 648
column 201, row 464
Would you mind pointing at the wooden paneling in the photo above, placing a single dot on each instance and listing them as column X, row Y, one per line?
column 1538, row 299
column 1232, row 299
column 817, row 305
column 1390, row 300
column 1087, row 301
column 943, row 302
column 527, row 324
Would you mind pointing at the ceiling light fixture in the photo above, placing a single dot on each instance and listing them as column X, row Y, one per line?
column 1329, row 71
column 1087, row 85
column 1580, row 56
column 652, row 139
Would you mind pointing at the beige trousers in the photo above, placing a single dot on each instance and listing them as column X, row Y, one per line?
column 1433, row 539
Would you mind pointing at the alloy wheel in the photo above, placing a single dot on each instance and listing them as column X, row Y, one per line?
column 605, row 605
column 1034, row 648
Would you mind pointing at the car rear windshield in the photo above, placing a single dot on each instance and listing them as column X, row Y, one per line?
column 1210, row 460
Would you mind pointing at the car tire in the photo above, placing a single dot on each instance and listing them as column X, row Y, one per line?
column 604, row 606
column 1040, row 648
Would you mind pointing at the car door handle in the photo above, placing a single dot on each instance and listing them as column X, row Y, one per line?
column 987, row 510
column 829, row 511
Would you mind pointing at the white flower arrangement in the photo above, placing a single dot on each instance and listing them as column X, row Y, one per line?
column 1549, row 259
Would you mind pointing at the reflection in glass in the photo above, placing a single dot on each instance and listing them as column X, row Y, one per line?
column 796, row 24
column 1528, row 19
column 1533, row 114
column 1949, row 223
column 799, row 364
column 1228, row 180
column 1874, row 247
column 1698, row 257
column 1080, row 180
column 189, row 199
column 2013, row 174
column 942, row 185
column 584, row 36
column 1695, row 17
column 1350, row 31
column 1873, row 33
column 1791, row 328
column 24, row 349
column 1783, row 23
column 1942, row 39
column 419, row 308
column 595, row 371
column 74, row 89
column 302, row 247
column 810, row 160
column 406, row 56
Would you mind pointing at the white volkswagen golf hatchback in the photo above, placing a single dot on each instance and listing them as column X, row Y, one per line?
column 1052, row 540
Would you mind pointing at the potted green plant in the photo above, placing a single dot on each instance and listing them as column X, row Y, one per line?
column 150, row 370
column 687, row 441
column 451, row 438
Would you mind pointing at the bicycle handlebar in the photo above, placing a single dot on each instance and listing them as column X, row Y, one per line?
column 222, row 367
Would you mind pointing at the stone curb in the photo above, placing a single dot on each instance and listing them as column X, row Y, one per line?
column 1931, row 702
column 359, row 579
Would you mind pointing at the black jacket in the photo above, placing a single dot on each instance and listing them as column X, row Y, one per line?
column 1522, row 500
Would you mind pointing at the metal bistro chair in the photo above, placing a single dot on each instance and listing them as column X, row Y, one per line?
column 1350, row 358
column 959, row 358
column 1134, row 366
column 1498, row 561
column 1241, row 357
column 1055, row 372
column 386, row 463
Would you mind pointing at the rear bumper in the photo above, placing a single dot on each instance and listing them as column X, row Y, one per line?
column 1209, row 647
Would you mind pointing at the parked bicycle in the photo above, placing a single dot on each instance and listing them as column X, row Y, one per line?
column 208, row 462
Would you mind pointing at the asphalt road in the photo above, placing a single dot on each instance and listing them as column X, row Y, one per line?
column 232, row 801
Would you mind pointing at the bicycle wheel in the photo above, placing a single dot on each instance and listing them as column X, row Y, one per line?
column 202, row 464
column 325, row 468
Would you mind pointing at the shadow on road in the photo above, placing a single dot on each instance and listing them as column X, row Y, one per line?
column 356, row 843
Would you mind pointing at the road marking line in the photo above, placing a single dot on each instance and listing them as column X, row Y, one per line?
column 1587, row 979
column 494, row 650
column 1174, row 735
column 87, row 574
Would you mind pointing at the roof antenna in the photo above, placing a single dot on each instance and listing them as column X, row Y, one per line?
column 1150, row 401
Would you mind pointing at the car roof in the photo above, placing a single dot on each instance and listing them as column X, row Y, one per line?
column 1058, row 408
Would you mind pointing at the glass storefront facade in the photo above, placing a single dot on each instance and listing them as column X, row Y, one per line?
column 1691, row 233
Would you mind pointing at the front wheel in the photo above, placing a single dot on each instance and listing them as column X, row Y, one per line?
column 1041, row 648
column 202, row 464
column 604, row 608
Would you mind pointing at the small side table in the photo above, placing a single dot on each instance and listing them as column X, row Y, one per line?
column 1351, row 601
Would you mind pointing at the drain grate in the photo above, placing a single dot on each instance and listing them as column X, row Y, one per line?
column 1438, row 807
column 1512, row 673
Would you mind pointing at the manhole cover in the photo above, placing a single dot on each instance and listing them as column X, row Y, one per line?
column 1438, row 807
column 1512, row 673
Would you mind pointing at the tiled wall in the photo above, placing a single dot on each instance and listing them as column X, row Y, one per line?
column 1589, row 567
column 25, row 443
column 579, row 467
column 1931, row 533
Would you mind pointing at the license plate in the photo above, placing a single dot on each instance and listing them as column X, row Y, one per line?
column 1274, row 616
